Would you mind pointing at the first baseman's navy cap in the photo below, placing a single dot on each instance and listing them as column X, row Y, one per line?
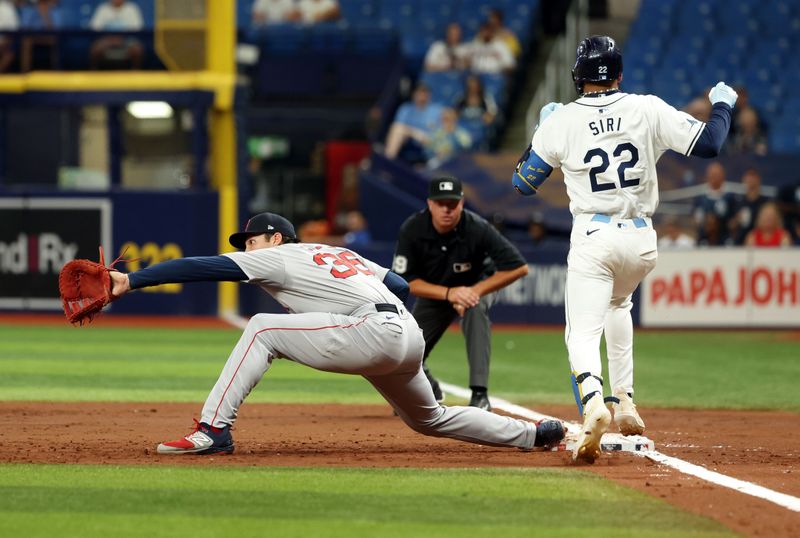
column 264, row 223
column 445, row 188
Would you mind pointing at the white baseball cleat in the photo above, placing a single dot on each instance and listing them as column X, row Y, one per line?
column 596, row 419
column 626, row 416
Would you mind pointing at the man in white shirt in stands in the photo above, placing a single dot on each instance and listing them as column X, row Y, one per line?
column 275, row 12
column 489, row 55
column 314, row 11
column 116, row 16
column 450, row 53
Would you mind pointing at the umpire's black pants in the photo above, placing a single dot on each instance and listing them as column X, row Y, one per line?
column 434, row 317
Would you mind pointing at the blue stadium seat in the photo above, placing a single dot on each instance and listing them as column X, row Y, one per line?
column 81, row 11
column 442, row 11
column 445, row 86
column 359, row 12
column 244, row 13
column 495, row 85
column 282, row 39
column 399, row 14
column 374, row 41
column 329, row 38
column 738, row 17
column 784, row 141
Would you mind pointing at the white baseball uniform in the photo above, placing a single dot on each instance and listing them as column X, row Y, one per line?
column 344, row 319
column 607, row 147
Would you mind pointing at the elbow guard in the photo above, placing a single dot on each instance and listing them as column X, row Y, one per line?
column 530, row 173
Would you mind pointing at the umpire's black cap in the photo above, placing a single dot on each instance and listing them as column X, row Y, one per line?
column 264, row 223
column 445, row 188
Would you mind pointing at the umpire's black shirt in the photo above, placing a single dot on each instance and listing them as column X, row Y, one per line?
column 462, row 257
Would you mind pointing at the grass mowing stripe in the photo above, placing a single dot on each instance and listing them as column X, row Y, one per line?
column 748, row 370
column 428, row 500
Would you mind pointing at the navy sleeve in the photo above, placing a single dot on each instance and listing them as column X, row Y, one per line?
column 199, row 269
column 396, row 285
column 714, row 133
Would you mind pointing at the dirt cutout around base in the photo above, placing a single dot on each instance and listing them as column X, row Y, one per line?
column 759, row 447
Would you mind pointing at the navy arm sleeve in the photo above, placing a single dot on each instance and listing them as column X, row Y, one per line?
column 397, row 285
column 716, row 130
column 199, row 269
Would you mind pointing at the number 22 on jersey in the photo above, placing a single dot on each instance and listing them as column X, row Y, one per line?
column 632, row 154
column 343, row 264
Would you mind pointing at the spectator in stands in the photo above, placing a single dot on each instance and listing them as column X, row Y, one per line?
column 748, row 137
column 715, row 200
column 448, row 54
column 769, row 230
column 9, row 21
column 503, row 33
column 275, row 12
column 699, row 108
column 712, row 233
column 673, row 237
column 447, row 141
column 789, row 204
column 43, row 15
column 537, row 230
column 414, row 122
column 477, row 109
column 116, row 16
column 357, row 233
column 748, row 205
column 489, row 55
column 315, row 11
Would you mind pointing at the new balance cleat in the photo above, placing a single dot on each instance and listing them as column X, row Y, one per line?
column 204, row 439
column 596, row 419
column 626, row 416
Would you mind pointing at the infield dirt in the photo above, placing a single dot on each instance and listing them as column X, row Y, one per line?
column 760, row 447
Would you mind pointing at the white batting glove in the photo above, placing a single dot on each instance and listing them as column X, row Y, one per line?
column 722, row 93
column 548, row 109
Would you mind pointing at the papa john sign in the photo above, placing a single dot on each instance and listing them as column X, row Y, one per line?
column 723, row 287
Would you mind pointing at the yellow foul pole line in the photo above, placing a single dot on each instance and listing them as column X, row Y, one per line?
column 220, row 44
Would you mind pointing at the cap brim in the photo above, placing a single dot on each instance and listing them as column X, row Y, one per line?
column 239, row 239
column 446, row 197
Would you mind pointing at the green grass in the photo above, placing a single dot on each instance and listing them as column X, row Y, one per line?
column 748, row 370
column 51, row 500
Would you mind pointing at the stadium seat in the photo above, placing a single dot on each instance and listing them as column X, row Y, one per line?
column 445, row 86
column 359, row 12
column 400, row 14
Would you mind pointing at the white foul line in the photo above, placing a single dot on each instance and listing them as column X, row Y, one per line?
column 781, row 499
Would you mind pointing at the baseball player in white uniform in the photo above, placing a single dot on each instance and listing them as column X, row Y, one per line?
column 607, row 143
column 346, row 315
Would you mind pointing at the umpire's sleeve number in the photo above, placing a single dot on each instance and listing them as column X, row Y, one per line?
column 604, row 162
column 400, row 264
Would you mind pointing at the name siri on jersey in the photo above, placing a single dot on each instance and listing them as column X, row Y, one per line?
column 605, row 125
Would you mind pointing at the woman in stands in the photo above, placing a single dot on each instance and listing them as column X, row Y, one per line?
column 477, row 109
column 769, row 232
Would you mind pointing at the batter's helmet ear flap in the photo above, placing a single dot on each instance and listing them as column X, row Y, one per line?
column 597, row 59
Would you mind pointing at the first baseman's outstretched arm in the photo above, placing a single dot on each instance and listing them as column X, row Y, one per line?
column 198, row 269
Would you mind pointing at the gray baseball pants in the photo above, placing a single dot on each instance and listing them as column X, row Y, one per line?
column 384, row 347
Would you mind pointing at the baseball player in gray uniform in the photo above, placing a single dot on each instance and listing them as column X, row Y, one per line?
column 607, row 143
column 346, row 315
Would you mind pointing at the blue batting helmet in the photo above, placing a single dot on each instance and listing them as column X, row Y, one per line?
column 598, row 58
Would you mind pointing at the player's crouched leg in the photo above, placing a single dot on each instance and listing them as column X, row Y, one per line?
column 411, row 396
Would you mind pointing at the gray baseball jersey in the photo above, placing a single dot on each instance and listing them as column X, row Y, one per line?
column 344, row 319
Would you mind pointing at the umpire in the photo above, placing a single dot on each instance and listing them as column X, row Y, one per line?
column 453, row 261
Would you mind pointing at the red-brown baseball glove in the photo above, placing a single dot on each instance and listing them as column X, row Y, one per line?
column 85, row 288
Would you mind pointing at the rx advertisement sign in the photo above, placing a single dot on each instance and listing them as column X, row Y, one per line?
column 38, row 236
